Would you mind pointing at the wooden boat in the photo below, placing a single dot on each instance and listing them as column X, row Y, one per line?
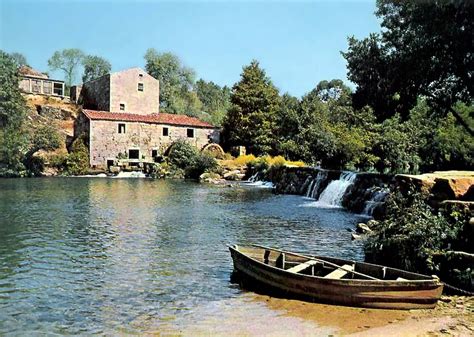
column 333, row 280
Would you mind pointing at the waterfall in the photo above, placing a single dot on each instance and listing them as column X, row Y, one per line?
column 313, row 188
column 133, row 174
column 334, row 192
column 378, row 197
column 254, row 181
column 253, row 178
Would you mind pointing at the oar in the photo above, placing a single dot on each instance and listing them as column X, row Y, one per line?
column 321, row 260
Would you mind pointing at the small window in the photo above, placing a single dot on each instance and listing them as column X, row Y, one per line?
column 140, row 86
column 58, row 89
column 154, row 153
column 190, row 133
column 47, row 88
column 36, row 86
column 140, row 76
column 121, row 128
column 165, row 132
column 122, row 107
column 133, row 154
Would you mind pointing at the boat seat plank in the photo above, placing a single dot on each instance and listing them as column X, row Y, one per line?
column 340, row 272
column 302, row 266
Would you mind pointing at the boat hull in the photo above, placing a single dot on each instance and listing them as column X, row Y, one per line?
column 416, row 294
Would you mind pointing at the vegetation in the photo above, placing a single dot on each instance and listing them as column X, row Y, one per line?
column 251, row 119
column 425, row 49
column 413, row 236
column 95, row 67
column 19, row 59
column 67, row 60
column 184, row 156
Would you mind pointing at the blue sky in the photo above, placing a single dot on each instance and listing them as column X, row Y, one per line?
column 297, row 43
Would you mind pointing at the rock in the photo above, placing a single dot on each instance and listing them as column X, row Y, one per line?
column 363, row 228
column 234, row 175
column 114, row 169
column 372, row 223
column 355, row 237
column 212, row 178
column 471, row 222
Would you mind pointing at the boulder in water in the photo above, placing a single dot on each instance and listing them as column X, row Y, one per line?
column 363, row 228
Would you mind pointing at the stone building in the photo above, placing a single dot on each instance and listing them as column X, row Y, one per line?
column 121, row 119
column 35, row 82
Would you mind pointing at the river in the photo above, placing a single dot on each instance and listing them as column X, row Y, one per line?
column 127, row 256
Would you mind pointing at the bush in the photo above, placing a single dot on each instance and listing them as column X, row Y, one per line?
column 77, row 162
column 243, row 160
column 412, row 234
column 202, row 163
column 182, row 154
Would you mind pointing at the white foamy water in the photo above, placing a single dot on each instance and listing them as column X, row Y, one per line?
column 133, row 174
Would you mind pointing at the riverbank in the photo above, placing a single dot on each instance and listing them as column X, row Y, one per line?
column 242, row 317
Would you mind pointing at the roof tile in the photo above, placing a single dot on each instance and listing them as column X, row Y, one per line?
column 159, row 118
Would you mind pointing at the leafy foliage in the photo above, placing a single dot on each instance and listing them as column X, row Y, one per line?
column 215, row 101
column 186, row 157
column 13, row 136
column 411, row 234
column 95, row 67
column 250, row 121
column 19, row 59
column 67, row 60
column 176, row 83
column 77, row 162
column 425, row 49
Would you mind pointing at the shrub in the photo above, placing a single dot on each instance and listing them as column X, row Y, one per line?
column 243, row 160
column 182, row 154
column 412, row 234
column 77, row 161
column 202, row 163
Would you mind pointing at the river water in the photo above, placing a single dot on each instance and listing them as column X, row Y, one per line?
column 126, row 256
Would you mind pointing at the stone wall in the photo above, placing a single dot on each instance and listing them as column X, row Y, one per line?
column 107, row 143
column 124, row 90
column 95, row 94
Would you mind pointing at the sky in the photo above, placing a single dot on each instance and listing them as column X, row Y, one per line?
column 298, row 43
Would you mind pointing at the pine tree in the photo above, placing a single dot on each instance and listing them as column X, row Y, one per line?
column 250, row 121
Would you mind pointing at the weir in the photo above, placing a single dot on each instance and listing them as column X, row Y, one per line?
column 334, row 192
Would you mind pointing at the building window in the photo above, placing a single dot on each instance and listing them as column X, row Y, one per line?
column 47, row 88
column 165, row 132
column 36, row 86
column 133, row 154
column 58, row 89
column 140, row 86
column 121, row 128
column 122, row 107
column 190, row 133
column 154, row 153
column 140, row 76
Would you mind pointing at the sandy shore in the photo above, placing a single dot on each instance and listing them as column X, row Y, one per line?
column 258, row 315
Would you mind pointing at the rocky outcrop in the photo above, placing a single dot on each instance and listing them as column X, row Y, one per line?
column 439, row 186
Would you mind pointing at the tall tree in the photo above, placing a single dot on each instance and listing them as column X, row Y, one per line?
column 19, row 58
column 250, row 121
column 95, row 67
column 67, row 60
column 13, row 138
column 215, row 100
column 176, row 82
column 426, row 48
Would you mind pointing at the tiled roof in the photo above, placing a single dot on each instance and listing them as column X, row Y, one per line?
column 156, row 118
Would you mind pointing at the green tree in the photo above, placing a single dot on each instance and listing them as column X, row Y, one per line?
column 176, row 82
column 425, row 48
column 215, row 101
column 13, row 136
column 67, row 60
column 95, row 67
column 250, row 121
column 19, row 59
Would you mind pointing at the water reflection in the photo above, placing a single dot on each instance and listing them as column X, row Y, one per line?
column 97, row 256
